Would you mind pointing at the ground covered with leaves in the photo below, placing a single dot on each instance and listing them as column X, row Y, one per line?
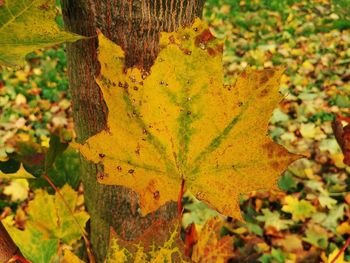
column 309, row 220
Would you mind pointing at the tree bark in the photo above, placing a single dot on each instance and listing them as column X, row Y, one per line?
column 8, row 248
column 135, row 26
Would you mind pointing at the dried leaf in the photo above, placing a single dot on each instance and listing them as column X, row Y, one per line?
column 342, row 134
column 181, row 122
column 27, row 25
column 210, row 247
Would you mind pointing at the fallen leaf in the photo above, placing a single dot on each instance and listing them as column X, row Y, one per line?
column 316, row 235
column 26, row 26
column 289, row 243
column 273, row 219
column 334, row 253
column 300, row 209
column 342, row 134
column 49, row 223
column 17, row 189
column 210, row 247
column 181, row 123
column 69, row 257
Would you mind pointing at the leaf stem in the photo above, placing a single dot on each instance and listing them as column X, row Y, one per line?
column 17, row 258
column 179, row 200
column 342, row 250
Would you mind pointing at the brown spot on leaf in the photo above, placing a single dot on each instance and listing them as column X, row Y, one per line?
column 101, row 155
column 2, row 2
column 119, row 168
column 211, row 51
column 100, row 175
column 131, row 171
column 275, row 165
column 264, row 79
column 220, row 48
column 156, row 195
column 205, row 37
column 264, row 92
column 171, row 40
column 187, row 52
column 44, row 6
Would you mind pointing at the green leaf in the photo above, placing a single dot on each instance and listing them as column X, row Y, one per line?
column 32, row 242
column 316, row 235
column 49, row 222
column 332, row 218
column 56, row 148
column 287, row 182
column 65, row 170
column 27, row 25
column 300, row 209
column 272, row 219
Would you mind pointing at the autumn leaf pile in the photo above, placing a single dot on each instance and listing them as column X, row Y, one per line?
column 307, row 222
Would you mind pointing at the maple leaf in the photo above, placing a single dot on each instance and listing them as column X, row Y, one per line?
column 316, row 235
column 272, row 219
column 210, row 247
column 17, row 189
column 165, row 246
column 27, row 25
column 300, row 209
column 49, row 222
column 70, row 257
column 21, row 173
column 342, row 134
column 34, row 245
column 332, row 256
column 181, row 123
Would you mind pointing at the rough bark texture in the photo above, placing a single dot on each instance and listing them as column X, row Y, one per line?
column 134, row 25
column 8, row 248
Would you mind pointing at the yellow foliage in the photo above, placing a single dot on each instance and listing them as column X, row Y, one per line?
column 340, row 259
column 210, row 248
column 121, row 251
column 27, row 25
column 180, row 122
column 300, row 209
column 18, row 190
column 20, row 174
column 69, row 257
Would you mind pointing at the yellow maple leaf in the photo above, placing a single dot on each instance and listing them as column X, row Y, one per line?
column 21, row 173
column 332, row 256
column 211, row 248
column 181, row 123
column 18, row 190
column 300, row 209
column 27, row 25
column 70, row 257
column 165, row 246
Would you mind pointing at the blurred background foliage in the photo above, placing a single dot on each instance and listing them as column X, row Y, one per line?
column 305, row 222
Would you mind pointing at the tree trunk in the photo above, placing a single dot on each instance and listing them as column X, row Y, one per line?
column 135, row 26
column 8, row 249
